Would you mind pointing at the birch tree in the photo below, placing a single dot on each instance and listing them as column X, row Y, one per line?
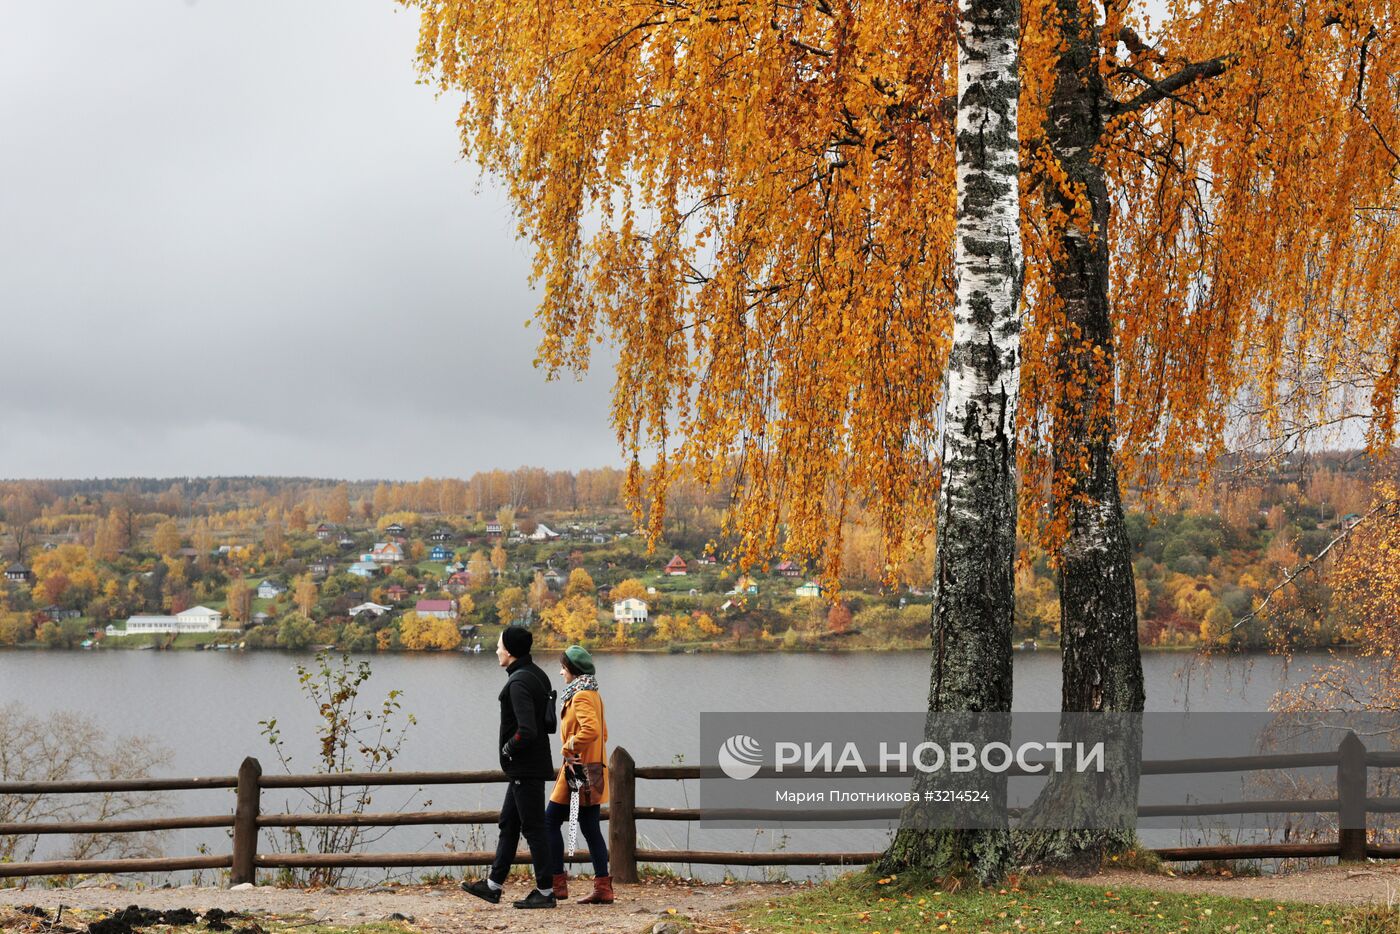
column 976, row 532
column 758, row 206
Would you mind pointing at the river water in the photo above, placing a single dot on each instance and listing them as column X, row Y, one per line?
column 205, row 707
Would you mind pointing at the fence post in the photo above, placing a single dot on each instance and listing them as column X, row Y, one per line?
column 245, row 823
column 1351, row 799
column 622, row 816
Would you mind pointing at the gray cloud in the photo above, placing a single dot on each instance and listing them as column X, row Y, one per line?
column 235, row 237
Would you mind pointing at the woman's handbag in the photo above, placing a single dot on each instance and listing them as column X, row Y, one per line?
column 585, row 778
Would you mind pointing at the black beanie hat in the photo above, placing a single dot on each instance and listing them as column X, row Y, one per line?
column 517, row 640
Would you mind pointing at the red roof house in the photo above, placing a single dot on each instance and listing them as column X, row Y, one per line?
column 442, row 609
column 676, row 567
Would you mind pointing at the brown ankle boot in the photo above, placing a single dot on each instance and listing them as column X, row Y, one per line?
column 561, row 886
column 602, row 892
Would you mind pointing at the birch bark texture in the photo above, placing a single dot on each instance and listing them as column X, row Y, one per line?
column 976, row 535
column 976, row 538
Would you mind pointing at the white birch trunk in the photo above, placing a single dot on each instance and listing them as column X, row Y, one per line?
column 976, row 539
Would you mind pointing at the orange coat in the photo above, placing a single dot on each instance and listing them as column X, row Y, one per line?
column 582, row 731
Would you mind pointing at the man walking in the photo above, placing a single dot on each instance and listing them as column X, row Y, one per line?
column 526, row 760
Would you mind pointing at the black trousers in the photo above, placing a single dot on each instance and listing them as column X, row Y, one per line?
column 522, row 813
column 556, row 815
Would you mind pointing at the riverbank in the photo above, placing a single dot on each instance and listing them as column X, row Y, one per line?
column 201, row 642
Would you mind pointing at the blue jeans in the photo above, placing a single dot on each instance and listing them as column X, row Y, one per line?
column 556, row 816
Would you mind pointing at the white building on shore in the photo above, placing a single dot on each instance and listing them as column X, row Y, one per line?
column 195, row 619
column 631, row 611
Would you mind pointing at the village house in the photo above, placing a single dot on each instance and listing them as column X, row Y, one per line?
column 459, row 581
column 270, row 590
column 395, row 592
column 493, row 528
column 809, row 589
column 393, row 529
column 346, row 541
column 195, row 619
column 630, row 611
column 440, row 553
column 745, row 585
column 440, row 609
column 373, row 609
column 543, row 533
column 321, row 568
column 58, row 614
column 363, row 569
column 16, row 572
column 384, row 553
column 789, row 569
column 554, row 578
column 324, row 531
column 441, row 535
column 675, row 567
column 259, row 618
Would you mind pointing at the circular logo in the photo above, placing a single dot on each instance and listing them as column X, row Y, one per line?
column 740, row 757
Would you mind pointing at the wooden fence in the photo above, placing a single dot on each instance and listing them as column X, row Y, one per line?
column 1351, row 760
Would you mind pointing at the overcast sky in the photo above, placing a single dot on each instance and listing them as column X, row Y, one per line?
column 237, row 238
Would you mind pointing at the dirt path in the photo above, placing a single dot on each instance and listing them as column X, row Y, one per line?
column 1376, row 883
column 434, row 908
column 639, row 908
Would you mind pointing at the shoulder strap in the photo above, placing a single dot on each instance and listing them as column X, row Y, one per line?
column 543, row 680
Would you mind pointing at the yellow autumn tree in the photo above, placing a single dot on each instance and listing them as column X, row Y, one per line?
column 756, row 204
column 580, row 584
column 165, row 541
column 510, row 605
column 239, row 601
column 572, row 619
column 304, row 594
column 631, row 587
column 64, row 574
column 1366, row 582
column 107, row 539
column 624, row 113
column 479, row 570
column 428, row 633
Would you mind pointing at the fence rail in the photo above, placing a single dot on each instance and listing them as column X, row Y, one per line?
column 1351, row 759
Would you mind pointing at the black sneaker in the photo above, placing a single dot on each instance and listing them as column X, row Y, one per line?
column 482, row 890
column 537, row 899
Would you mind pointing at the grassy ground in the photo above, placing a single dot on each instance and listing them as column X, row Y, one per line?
column 861, row 904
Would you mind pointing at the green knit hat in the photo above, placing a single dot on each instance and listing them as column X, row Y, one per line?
column 578, row 657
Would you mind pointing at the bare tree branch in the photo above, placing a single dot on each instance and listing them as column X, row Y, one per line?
column 1384, row 508
column 1160, row 90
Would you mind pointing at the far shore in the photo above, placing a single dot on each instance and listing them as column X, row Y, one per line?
column 774, row 646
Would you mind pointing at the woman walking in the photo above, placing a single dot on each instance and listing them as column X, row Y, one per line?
column 584, row 735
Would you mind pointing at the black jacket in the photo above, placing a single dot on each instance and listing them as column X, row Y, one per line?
column 525, row 751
